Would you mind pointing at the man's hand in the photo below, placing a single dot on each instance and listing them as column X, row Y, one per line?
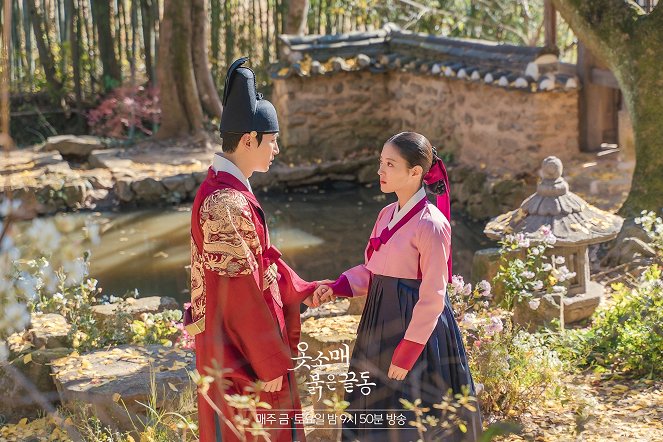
column 273, row 385
column 397, row 373
column 322, row 295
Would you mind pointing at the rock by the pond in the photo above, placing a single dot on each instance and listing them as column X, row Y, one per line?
column 286, row 174
column 47, row 330
column 123, row 190
column 73, row 146
column 576, row 308
column 149, row 190
column 101, row 181
column 110, row 380
column 136, row 306
column 74, row 193
column 183, row 183
column 43, row 159
column 336, row 308
column 109, row 159
column 33, row 368
column 367, row 174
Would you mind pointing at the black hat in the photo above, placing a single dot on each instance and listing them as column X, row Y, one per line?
column 245, row 109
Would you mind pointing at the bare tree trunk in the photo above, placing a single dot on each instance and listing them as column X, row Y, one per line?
column 215, row 35
column 180, row 103
column 101, row 13
column 89, row 43
column 15, row 55
column 27, row 32
column 74, row 29
column 206, row 89
column 148, row 49
column 41, row 38
column 229, row 34
column 630, row 42
column 5, row 77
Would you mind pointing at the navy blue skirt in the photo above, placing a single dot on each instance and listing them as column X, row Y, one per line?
column 442, row 365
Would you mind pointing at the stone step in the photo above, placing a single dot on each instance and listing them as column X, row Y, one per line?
column 45, row 331
column 34, row 368
column 337, row 308
column 576, row 308
column 110, row 380
column 73, row 145
column 136, row 306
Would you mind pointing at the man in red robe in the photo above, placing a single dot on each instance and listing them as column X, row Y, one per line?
column 245, row 301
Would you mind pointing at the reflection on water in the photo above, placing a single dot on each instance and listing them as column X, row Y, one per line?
column 320, row 232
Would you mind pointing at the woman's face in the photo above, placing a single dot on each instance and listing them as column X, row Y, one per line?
column 395, row 173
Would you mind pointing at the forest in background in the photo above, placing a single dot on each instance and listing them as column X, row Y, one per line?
column 68, row 54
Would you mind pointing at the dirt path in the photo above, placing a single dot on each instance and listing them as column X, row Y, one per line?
column 599, row 409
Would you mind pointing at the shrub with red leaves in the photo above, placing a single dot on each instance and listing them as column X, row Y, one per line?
column 123, row 108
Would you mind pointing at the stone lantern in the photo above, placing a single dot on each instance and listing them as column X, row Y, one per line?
column 575, row 223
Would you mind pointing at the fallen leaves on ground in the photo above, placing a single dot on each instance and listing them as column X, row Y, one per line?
column 600, row 408
column 43, row 429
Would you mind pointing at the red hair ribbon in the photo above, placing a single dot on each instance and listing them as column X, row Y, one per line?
column 437, row 173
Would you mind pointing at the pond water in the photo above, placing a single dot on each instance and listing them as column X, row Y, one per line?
column 320, row 231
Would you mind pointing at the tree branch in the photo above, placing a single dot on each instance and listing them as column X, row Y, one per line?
column 605, row 26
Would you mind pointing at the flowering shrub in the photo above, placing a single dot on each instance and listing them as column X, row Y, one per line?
column 57, row 281
column 471, row 308
column 653, row 225
column 156, row 328
column 536, row 273
column 626, row 335
column 26, row 282
column 185, row 340
column 124, row 108
column 512, row 369
column 87, row 332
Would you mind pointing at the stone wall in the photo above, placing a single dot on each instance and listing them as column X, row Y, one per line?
column 499, row 130
column 329, row 117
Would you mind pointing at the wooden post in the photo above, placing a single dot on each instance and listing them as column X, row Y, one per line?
column 598, row 103
column 4, row 81
column 550, row 24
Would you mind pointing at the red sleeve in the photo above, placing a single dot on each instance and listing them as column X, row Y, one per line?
column 251, row 326
column 293, row 291
column 293, row 288
column 341, row 287
column 406, row 354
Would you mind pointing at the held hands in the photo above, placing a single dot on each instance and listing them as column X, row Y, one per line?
column 323, row 293
column 397, row 373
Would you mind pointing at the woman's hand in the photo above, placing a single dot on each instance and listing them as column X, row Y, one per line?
column 397, row 373
column 322, row 295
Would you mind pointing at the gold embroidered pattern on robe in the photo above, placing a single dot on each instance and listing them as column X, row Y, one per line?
column 230, row 241
column 197, row 283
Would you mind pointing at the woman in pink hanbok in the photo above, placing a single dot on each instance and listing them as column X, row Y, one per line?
column 408, row 340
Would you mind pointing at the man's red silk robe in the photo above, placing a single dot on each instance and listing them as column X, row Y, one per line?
column 245, row 307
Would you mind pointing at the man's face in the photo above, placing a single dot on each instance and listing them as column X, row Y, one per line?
column 265, row 152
